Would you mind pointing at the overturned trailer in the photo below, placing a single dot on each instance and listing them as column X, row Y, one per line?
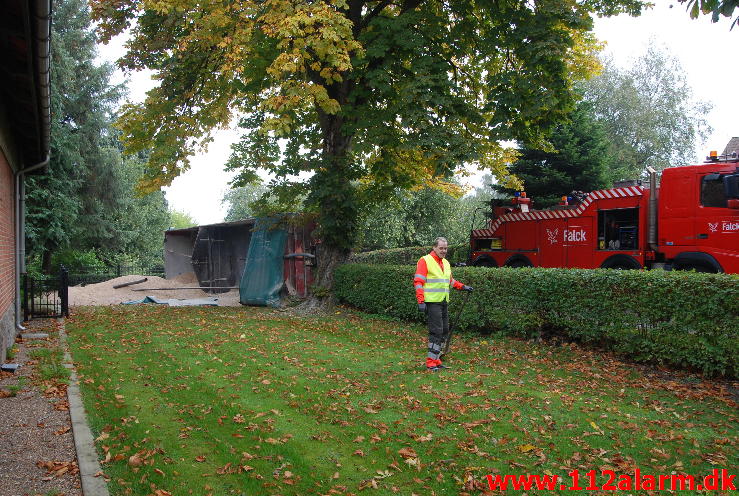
column 264, row 257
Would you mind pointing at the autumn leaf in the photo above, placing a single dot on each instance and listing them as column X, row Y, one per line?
column 135, row 460
column 407, row 453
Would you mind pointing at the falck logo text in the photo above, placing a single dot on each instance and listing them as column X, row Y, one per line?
column 725, row 226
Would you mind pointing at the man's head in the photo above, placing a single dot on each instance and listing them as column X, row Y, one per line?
column 440, row 247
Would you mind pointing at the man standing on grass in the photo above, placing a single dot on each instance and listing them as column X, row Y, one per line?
column 432, row 280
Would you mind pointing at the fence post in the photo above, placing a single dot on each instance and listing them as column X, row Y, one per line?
column 64, row 290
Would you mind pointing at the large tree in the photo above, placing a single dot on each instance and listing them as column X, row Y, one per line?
column 369, row 95
column 649, row 113
column 86, row 199
column 578, row 160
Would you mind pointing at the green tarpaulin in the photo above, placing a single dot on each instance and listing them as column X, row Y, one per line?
column 263, row 272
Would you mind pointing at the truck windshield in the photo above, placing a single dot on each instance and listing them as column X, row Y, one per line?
column 712, row 191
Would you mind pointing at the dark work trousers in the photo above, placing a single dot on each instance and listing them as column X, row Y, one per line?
column 438, row 321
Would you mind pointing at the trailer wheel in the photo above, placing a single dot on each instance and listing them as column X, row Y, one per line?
column 621, row 262
column 484, row 261
column 518, row 262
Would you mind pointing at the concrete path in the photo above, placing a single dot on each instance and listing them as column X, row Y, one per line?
column 93, row 483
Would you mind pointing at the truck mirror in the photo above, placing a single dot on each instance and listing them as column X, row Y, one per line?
column 731, row 186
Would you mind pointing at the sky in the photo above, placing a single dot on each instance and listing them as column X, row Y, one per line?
column 706, row 52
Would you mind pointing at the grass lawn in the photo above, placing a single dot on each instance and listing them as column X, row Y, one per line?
column 245, row 401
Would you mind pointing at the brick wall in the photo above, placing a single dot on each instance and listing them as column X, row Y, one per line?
column 7, row 255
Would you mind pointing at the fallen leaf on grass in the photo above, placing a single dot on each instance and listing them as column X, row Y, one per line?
column 423, row 439
column 407, row 453
column 368, row 483
column 135, row 460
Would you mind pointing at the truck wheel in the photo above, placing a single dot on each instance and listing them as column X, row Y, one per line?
column 697, row 261
column 518, row 262
column 621, row 262
column 696, row 267
column 484, row 261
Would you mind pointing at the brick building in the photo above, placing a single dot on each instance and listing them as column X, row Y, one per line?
column 24, row 138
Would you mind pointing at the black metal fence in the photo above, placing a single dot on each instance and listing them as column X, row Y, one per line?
column 94, row 274
column 46, row 297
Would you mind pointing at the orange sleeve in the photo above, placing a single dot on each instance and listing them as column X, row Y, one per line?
column 456, row 284
column 419, row 280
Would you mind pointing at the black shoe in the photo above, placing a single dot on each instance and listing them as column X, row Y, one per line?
column 441, row 366
column 433, row 369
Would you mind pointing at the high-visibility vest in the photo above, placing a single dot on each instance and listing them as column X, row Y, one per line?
column 436, row 288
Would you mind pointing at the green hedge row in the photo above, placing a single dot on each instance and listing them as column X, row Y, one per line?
column 408, row 256
column 682, row 319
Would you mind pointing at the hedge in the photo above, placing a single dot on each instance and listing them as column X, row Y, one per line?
column 408, row 256
column 682, row 319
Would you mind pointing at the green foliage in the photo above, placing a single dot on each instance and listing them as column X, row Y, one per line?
column 413, row 218
column 716, row 8
column 260, row 200
column 680, row 319
column 649, row 114
column 74, row 259
column 367, row 96
column 409, row 255
column 579, row 161
column 86, row 199
column 181, row 220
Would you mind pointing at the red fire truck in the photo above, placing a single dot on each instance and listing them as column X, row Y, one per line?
column 689, row 222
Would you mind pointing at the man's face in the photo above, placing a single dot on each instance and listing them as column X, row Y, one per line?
column 441, row 249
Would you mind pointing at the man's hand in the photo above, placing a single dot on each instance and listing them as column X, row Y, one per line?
column 422, row 307
column 467, row 288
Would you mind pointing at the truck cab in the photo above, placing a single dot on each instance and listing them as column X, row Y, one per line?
column 698, row 220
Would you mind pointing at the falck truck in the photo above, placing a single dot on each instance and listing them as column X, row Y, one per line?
column 690, row 221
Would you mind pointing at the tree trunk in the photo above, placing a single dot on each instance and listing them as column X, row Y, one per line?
column 321, row 297
column 334, row 195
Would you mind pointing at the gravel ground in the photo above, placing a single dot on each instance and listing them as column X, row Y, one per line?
column 37, row 454
column 104, row 294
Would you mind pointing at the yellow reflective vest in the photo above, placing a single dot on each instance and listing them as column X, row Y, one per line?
column 436, row 288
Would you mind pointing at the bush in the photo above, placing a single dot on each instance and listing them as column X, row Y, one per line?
column 682, row 319
column 408, row 256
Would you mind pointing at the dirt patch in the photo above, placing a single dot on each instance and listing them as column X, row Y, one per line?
column 38, row 455
column 104, row 294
